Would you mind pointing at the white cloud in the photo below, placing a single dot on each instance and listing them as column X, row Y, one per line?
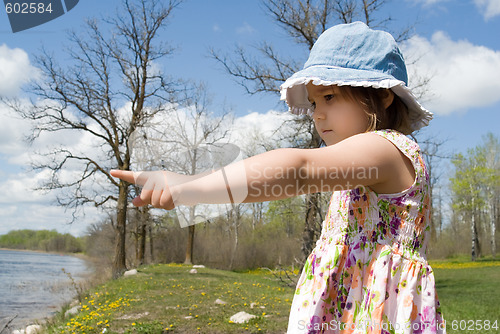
column 12, row 131
column 245, row 29
column 23, row 208
column 15, row 70
column 463, row 75
column 266, row 123
column 489, row 8
column 248, row 130
column 18, row 188
column 44, row 217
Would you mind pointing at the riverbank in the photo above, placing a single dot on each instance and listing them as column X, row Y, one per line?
column 36, row 284
column 34, row 251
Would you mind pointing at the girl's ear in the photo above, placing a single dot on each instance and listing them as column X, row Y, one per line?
column 387, row 97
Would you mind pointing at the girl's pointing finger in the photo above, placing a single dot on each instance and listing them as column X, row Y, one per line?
column 125, row 175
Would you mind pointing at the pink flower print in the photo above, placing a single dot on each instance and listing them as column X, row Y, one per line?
column 426, row 323
column 351, row 258
column 428, row 319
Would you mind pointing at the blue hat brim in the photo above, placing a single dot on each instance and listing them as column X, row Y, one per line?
column 294, row 91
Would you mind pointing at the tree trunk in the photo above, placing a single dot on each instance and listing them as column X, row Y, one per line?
column 151, row 249
column 234, row 216
column 256, row 214
column 142, row 238
column 308, row 235
column 190, row 243
column 475, row 248
column 493, row 230
column 432, row 221
column 119, row 264
column 136, row 236
column 440, row 215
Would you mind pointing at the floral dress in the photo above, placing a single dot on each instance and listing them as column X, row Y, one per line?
column 368, row 272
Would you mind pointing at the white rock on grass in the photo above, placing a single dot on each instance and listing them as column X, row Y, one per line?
column 72, row 311
column 130, row 273
column 33, row 329
column 242, row 317
column 193, row 271
column 198, row 266
column 220, row 302
column 252, row 305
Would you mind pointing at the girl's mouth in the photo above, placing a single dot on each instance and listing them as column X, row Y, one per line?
column 326, row 131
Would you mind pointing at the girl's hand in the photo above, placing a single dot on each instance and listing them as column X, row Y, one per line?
column 155, row 189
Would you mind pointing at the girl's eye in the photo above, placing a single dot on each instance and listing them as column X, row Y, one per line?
column 328, row 97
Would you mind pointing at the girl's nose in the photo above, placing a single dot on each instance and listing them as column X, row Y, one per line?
column 318, row 114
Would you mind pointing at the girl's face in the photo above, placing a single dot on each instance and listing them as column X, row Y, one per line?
column 336, row 117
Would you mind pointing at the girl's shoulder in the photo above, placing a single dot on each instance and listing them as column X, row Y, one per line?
column 406, row 145
column 411, row 150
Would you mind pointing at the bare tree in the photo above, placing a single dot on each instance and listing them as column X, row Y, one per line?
column 142, row 223
column 110, row 87
column 432, row 149
column 491, row 150
column 182, row 143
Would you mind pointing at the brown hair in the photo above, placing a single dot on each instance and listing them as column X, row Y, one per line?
column 395, row 117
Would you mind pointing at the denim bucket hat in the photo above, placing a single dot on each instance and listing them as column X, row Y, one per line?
column 354, row 55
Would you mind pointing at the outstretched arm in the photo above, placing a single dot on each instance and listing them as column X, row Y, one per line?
column 364, row 159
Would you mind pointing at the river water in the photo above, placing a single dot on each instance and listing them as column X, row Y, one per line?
column 33, row 285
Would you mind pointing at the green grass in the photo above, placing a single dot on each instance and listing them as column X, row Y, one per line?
column 168, row 293
column 469, row 293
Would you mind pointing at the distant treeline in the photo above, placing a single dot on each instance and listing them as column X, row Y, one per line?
column 43, row 240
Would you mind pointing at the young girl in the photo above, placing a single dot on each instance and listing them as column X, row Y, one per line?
column 368, row 272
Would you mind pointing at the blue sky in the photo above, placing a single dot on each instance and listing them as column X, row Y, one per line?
column 457, row 42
